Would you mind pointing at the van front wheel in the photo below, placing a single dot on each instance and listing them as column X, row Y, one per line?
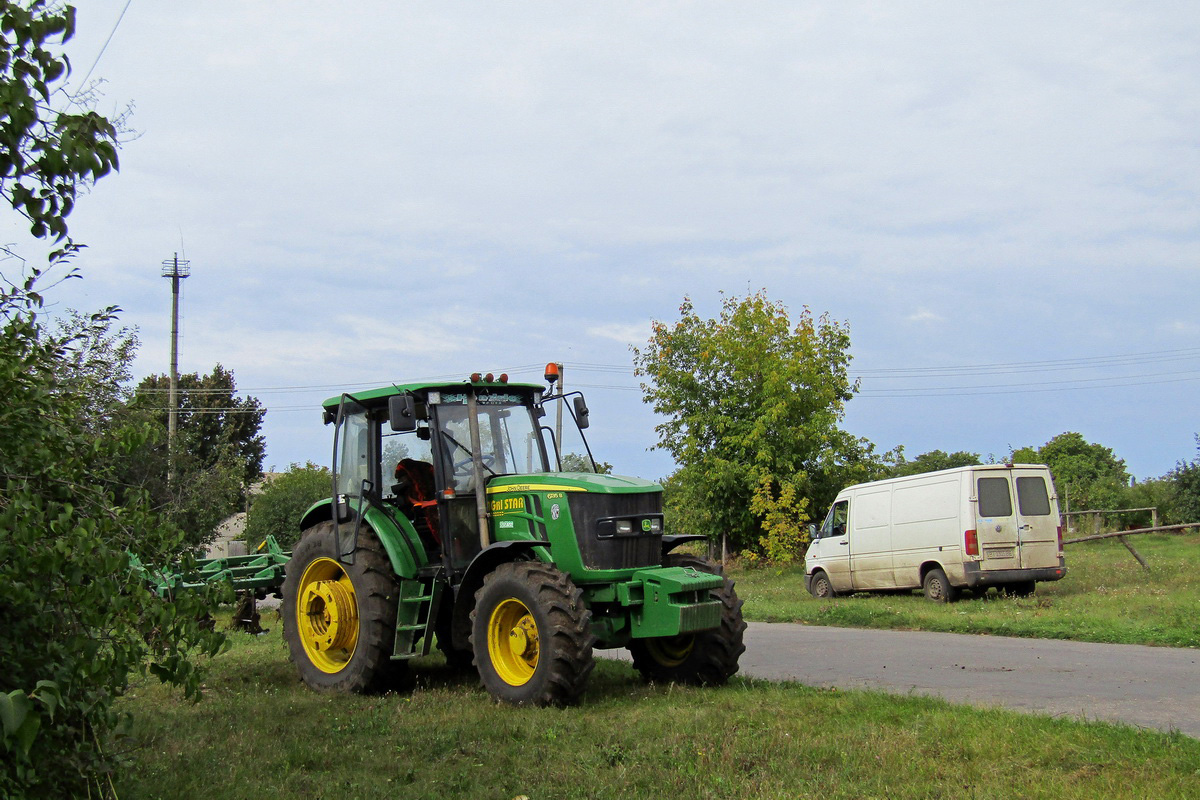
column 937, row 588
column 820, row 587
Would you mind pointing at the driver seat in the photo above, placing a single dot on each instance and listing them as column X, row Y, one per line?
column 415, row 479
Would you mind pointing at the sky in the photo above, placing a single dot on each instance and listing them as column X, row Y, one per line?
column 1000, row 200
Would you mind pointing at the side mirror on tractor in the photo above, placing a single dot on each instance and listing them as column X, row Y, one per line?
column 402, row 412
column 581, row 412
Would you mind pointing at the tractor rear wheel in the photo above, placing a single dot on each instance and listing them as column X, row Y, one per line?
column 531, row 635
column 338, row 618
column 703, row 658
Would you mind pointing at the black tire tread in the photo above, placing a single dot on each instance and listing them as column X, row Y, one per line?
column 949, row 593
column 565, row 659
column 371, row 668
column 813, row 584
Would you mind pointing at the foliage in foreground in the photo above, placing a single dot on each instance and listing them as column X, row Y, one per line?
column 1105, row 597
column 260, row 733
column 75, row 621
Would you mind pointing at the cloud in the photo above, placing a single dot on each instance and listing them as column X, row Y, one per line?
column 414, row 189
column 634, row 333
column 924, row 315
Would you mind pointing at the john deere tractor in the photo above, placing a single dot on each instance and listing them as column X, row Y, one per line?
column 472, row 514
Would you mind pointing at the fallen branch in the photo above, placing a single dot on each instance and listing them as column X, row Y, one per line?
column 1157, row 529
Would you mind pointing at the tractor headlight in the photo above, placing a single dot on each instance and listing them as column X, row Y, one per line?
column 624, row 527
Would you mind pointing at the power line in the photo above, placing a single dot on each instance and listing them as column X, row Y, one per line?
column 111, row 34
column 869, row 376
column 965, row 391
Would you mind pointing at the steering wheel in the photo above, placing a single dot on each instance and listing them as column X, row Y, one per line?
column 487, row 458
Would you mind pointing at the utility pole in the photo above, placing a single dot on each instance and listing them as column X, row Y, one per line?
column 559, row 423
column 176, row 269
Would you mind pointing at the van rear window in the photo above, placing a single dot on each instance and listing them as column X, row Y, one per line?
column 1032, row 498
column 994, row 499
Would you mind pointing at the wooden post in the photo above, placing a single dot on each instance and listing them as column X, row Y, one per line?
column 1136, row 555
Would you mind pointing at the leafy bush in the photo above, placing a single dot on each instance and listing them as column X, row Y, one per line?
column 277, row 510
column 1186, row 481
column 75, row 621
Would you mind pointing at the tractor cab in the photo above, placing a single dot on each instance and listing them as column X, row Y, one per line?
column 427, row 453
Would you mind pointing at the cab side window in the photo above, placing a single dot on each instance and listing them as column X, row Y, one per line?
column 835, row 522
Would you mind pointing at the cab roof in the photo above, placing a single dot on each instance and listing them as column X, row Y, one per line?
column 374, row 397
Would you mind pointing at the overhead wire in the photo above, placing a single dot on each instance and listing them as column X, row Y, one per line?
column 104, row 47
column 868, row 376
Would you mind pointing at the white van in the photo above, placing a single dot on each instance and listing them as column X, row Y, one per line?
column 966, row 528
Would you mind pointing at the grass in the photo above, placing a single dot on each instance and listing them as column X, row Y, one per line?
column 260, row 733
column 1105, row 597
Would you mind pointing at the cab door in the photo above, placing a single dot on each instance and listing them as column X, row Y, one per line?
column 832, row 547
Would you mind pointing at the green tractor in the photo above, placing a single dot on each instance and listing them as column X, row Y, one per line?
column 472, row 514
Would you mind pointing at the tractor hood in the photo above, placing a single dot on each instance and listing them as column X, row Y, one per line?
column 572, row 482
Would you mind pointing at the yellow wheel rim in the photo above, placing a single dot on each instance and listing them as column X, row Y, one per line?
column 327, row 615
column 513, row 642
column 671, row 651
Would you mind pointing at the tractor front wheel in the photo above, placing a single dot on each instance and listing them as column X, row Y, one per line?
column 339, row 618
column 531, row 635
column 703, row 658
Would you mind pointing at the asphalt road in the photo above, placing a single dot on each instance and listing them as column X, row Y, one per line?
column 1150, row 687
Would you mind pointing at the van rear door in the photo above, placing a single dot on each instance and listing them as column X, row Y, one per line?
column 996, row 521
column 1037, row 518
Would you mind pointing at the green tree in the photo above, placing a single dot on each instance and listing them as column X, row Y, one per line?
column 1087, row 476
column 1185, row 480
column 96, row 363
column 751, row 405
column 212, row 420
column 75, row 622
column 277, row 509
column 217, row 456
column 932, row 461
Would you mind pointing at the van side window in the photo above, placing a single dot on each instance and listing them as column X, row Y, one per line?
column 835, row 522
column 994, row 499
column 1032, row 498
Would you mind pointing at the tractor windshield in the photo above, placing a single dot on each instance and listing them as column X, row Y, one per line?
column 509, row 442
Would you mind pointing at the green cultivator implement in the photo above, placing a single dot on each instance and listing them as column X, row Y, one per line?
column 261, row 572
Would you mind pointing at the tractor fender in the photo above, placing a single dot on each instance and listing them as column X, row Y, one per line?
column 479, row 568
column 406, row 557
column 669, row 543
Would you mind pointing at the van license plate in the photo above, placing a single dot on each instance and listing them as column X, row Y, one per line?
column 999, row 552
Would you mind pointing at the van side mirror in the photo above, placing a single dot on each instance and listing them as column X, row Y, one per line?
column 812, row 532
column 581, row 411
column 402, row 412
